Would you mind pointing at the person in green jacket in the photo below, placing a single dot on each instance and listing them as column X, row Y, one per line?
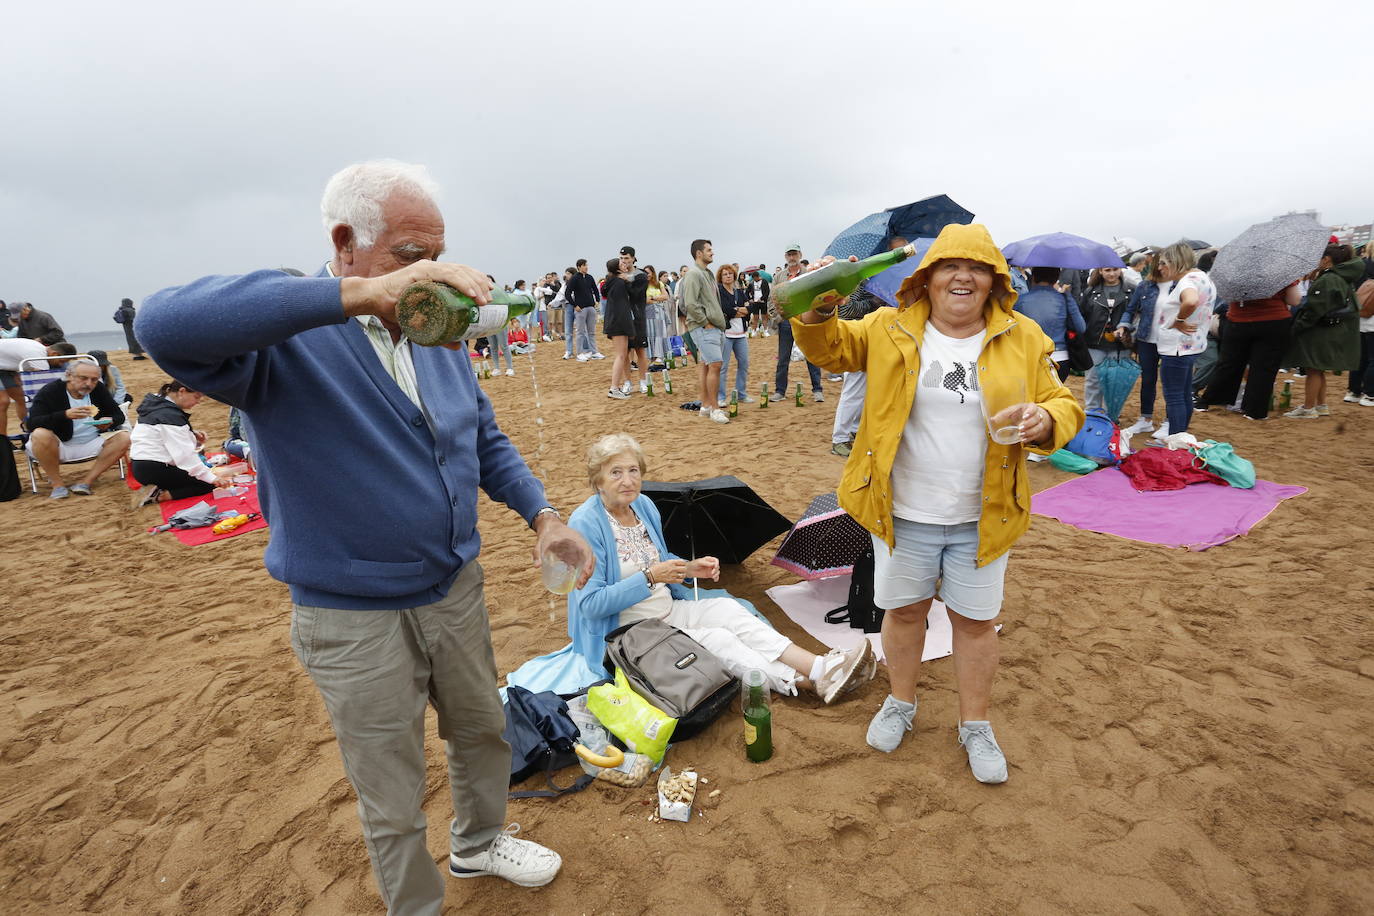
column 1321, row 343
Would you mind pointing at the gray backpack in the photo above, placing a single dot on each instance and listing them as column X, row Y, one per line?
column 672, row 671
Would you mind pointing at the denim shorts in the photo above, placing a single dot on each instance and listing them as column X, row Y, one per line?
column 932, row 559
column 710, row 344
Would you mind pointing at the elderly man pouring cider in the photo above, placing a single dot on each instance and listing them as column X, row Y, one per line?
column 959, row 388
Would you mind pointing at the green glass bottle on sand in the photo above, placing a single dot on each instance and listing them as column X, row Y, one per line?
column 431, row 314
column 758, row 718
column 833, row 283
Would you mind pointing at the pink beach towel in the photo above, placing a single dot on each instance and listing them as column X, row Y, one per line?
column 1197, row 517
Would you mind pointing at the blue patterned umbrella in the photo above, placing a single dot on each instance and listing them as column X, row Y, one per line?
column 1061, row 249
column 920, row 219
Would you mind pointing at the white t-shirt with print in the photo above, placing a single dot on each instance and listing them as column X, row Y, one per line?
column 937, row 477
column 1172, row 342
column 636, row 551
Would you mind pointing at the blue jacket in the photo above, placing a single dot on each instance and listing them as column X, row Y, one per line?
column 1140, row 311
column 1054, row 311
column 370, row 508
column 594, row 610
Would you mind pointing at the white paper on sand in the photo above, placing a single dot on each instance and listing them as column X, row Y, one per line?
column 808, row 602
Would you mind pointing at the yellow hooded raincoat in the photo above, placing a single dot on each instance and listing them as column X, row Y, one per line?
column 887, row 345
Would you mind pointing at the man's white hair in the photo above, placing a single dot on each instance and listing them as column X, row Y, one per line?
column 355, row 195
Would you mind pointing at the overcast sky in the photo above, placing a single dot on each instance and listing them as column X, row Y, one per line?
column 147, row 144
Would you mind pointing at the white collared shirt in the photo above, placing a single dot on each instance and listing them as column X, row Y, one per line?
column 394, row 356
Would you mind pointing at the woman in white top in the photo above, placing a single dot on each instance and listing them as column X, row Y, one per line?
column 637, row 578
column 165, row 449
column 1182, row 314
column 736, row 312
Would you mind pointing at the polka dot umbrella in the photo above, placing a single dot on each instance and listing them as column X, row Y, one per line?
column 824, row 542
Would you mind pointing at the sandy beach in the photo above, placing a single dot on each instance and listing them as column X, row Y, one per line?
column 1187, row 732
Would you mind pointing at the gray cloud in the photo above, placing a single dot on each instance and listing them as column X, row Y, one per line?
column 153, row 143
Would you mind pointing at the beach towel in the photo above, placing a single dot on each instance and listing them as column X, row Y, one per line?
column 243, row 504
column 806, row 603
column 1195, row 517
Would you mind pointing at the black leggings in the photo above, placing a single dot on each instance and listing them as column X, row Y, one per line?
column 171, row 478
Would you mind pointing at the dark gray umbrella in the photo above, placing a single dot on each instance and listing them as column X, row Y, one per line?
column 1268, row 256
column 720, row 517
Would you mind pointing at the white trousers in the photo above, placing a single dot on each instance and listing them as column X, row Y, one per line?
column 850, row 408
column 739, row 639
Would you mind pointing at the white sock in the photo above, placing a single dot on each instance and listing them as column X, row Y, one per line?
column 817, row 669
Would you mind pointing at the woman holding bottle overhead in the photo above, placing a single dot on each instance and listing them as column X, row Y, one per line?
column 944, row 504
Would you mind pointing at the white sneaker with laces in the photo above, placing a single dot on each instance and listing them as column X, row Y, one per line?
column 1366, row 401
column 583, row 357
column 1302, row 413
column 719, row 416
column 643, row 387
column 510, row 373
column 522, row 862
column 894, row 719
column 625, row 387
column 845, row 670
column 1351, row 398
column 1162, row 433
column 985, row 757
column 598, row 356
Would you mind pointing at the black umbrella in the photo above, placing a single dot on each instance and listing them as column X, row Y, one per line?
column 825, row 541
column 1196, row 244
column 720, row 517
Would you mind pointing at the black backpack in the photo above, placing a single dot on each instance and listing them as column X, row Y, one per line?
column 541, row 735
column 860, row 613
column 672, row 671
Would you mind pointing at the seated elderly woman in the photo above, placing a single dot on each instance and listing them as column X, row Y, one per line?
column 637, row 578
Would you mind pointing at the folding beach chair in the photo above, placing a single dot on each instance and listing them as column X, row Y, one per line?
column 32, row 381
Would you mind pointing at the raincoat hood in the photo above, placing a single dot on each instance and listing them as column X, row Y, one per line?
column 970, row 241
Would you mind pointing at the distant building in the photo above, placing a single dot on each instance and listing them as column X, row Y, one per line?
column 1358, row 236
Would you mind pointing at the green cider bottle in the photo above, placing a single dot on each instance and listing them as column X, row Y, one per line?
column 763, row 401
column 734, row 404
column 758, row 717
column 798, row 395
column 667, row 382
column 431, row 314
column 833, row 283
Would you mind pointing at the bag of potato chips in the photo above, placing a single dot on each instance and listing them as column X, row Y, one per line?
column 643, row 727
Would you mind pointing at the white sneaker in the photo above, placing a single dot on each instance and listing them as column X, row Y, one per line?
column 510, row 373
column 548, row 339
column 625, row 386
column 567, row 356
column 748, row 399
column 1351, row 398
column 818, row 396
column 1302, row 413
column 598, row 356
column 1162, row 433
column 1143, row 425
column 617, row 394
column 719, row 416
column 643, row 387
column 1366, row 401
column 844, row 671
column 985, row 757
column 582, row 357
column 521, row 862
column 767, row 333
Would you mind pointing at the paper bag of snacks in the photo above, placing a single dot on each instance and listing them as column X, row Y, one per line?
column 675, row 794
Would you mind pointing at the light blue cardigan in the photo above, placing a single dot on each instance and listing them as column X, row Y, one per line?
column 594, row 610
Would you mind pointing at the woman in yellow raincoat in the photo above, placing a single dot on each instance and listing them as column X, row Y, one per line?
column 943, row 501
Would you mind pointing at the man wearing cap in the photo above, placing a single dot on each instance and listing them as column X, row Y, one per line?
column 792, row 268
column 35, row 324
column 124, row 315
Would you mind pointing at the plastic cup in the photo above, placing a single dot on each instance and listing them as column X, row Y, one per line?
column 559, row 577
column 1004, row 401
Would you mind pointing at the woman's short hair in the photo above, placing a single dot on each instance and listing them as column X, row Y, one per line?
column 173, row 385
column 1180, row 256
column 1044, row 274
column 723, row 268
column 606, row 448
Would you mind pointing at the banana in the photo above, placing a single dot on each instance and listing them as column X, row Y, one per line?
column 614, row 759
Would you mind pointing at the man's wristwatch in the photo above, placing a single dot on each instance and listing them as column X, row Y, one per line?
column 547, row 510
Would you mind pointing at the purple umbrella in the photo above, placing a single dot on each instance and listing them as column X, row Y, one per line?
column 1060, row 249
column 824, row 542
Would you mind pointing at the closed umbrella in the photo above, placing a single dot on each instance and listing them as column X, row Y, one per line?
column 1267, row 257
column 920, row 219
column 1061, row 249
column 1117, row 375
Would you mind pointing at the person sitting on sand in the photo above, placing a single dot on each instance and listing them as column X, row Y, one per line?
column 165, row 449
column 518, row 338
column 70, row 419
column 942, row 502
column 638, row 578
